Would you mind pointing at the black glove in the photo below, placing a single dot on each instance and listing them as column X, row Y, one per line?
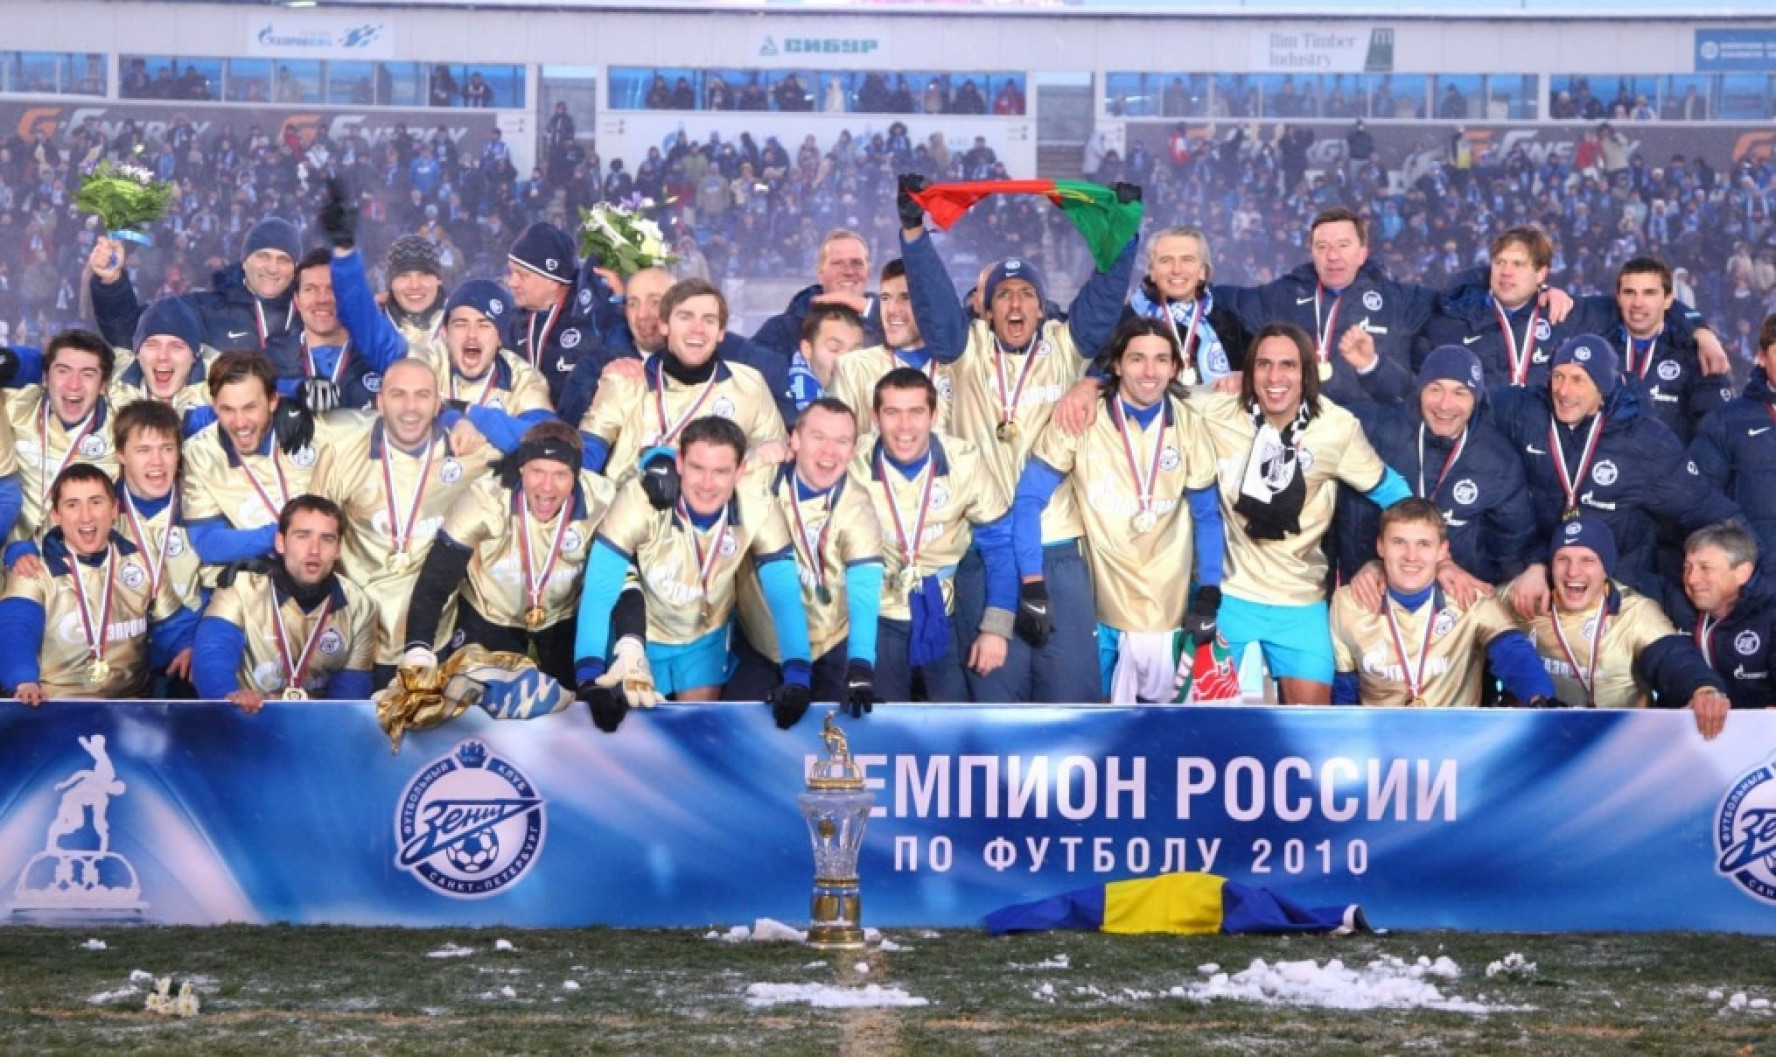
column 1126, row 193
column 1199, row 621
column 912, row 214
column 659, row 479
column 1035, row 623
column 860, row 688
column 293, row 426
column 319, row 395
column 461, row 407
column 9, row 365
column 245, row 565
column 789, row 703
column 607, row 704
column 339, row 215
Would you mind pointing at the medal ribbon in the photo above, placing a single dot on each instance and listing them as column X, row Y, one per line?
column 400, row 536
column 139, row 530
column 1705, row 637
column 1587, row 681
column 277, row 509
column 1639, row 367
column 1414, row 678
column 1569, row 484
column 94, row 631
column 83, row 430
column 909, row 550
column 1520, row 355
column 263, row 327
column 294, row 673
column 314, row 371
column 705, row 559
column 486, row 386
column 1325, row 331
column 535, row 586
column 1009, row 404
column 669, row 433
column 1449, row 461
column 815, row 545
column 535, row 343
column 1187, row 339
column 1143, row 483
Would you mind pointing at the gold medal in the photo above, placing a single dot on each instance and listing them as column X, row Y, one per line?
column 400, row 561
column 1571, row 513
column 823, row 595
column 1145, row 520
column 295, row 693
column 1325, row 370
column 1007, row 432
column 909, row 580
column 98, row 671
column 534, row 617
column 1417, row 702
column 708, row 611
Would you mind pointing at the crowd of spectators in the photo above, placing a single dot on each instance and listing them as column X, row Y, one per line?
column 738, row 208
column 833, row 93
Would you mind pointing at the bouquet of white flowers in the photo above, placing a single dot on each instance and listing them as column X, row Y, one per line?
column 621, row 238
column 126, row 198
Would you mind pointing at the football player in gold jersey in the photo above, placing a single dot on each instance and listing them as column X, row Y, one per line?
column 84, row 623
column 146, row 434
column 53, row 426
column 1425, row 647
column 296, row 630
column 1605, row 645
column 903, row 345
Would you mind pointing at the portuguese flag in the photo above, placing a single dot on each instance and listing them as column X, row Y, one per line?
column 1106, row 223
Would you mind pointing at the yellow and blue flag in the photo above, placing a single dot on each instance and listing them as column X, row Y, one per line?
column 1186, row 903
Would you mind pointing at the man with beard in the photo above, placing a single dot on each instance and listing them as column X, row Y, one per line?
column 249, row 304
column 84, row 622
column 296, row 631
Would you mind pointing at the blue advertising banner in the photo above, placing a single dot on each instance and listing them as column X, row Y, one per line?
column 1468, row 819
column 1735, row 49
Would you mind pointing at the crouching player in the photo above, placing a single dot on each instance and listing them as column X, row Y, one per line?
column 1143, row 479
column 688, row 558
column 84, row 622
column 297, row 629
column 1424, row 647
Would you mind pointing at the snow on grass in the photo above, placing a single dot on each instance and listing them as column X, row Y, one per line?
column 825, row 996
column 570, row 985
column 1513, row 964
column 1385, row 983
column 503, row 945
column 764, row 930
column 94, row 945
column 451, row 950
column 105, row 997
column 1059, row 961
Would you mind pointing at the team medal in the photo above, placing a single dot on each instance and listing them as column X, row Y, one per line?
column 1519, row 355
column 47, row 476
column 98, row 670
column 823, row 595
column 536, row 584
column 1326, row 331
column 1413, row 675
column 1186, row 340
column 295, row 671
column 1006, row 432
column 1010, row 396
column 909, row 544
column 669, row 430
column 706, row 560
column 815, row 544
column 401, row 533
column 1325, row 370
column 1570, row 485
column 295, row 693
column 1587, row 676
column 1431, row 492
column 1145, row 519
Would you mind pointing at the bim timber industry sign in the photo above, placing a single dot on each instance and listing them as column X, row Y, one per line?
column 1492, row 819
column 1327, row 48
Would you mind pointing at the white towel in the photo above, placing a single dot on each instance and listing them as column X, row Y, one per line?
column 1146, row 668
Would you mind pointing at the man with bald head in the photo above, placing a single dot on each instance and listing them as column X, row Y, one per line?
column 395, row 477
column 841, row 270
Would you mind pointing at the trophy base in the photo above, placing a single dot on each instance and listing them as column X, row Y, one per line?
column 836, row 938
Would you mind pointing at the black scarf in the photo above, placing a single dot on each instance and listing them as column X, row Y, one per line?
column 1274, row 488
column 308, row 596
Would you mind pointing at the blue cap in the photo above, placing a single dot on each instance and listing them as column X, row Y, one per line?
column 546, row 250
column 273, row 233
column 1456, row 364
column 484, row 296
column 1586, row 531
column 1597, row 357
column 173, row 317
column 1013, row 268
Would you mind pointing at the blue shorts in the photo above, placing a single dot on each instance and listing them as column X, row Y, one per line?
column 1296, row 640
column 691, row 665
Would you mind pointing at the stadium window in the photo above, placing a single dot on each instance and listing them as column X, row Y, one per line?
column 1344, row 96
column 1399, row 95
column 248, row 81
column 792, row 91
column 1131, row 94
column 507, row 83
column 1684, row 97
column 1233, row 95
column 1458, row 98
column 651, row 88
column 837, row 92
column 84, row 74
column 1744, row 97
column 1287, row 96
column 296, row 81
column 169, row 77
column 401, row 83
column 1512, row 97
column 1008, row 96
column 351, row 83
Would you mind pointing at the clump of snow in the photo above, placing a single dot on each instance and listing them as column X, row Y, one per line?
column 94, row 945
column 1760, row 1003
column 503, row 945
column 929, row 934
column 825, row 996
column 1059, row 961
column 764, row 930
column 862, row 968
column 104, row 997
column 1210, row 967
column 137, row 976
column 570, row 985
column 508, row 991
column 451, row 950
column 1737, row 1001
column 1045, row 993
column 1385, row 983
column 1714, row 996
column 1513, row 964
column 890, row 946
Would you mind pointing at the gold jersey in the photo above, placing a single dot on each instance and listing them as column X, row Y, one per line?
column 986, row 383
column 855, row 378
column 394, row 503
column 1634, row 624
column 424, row 335
column 508, row 385
column 37, row 445
column 1131, row 496
column 65, row 656
column 688, row 574
column 961, row 494
column 488, row 520
column 336, row 637
column 248, row 490
column 832, row 532
column 1447, row 669
column 631, row 416
column 1333, row 450
column 164, row 546
column 128, row 385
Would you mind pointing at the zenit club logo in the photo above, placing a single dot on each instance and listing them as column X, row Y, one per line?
column 470, row 823
column 1745, row 833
